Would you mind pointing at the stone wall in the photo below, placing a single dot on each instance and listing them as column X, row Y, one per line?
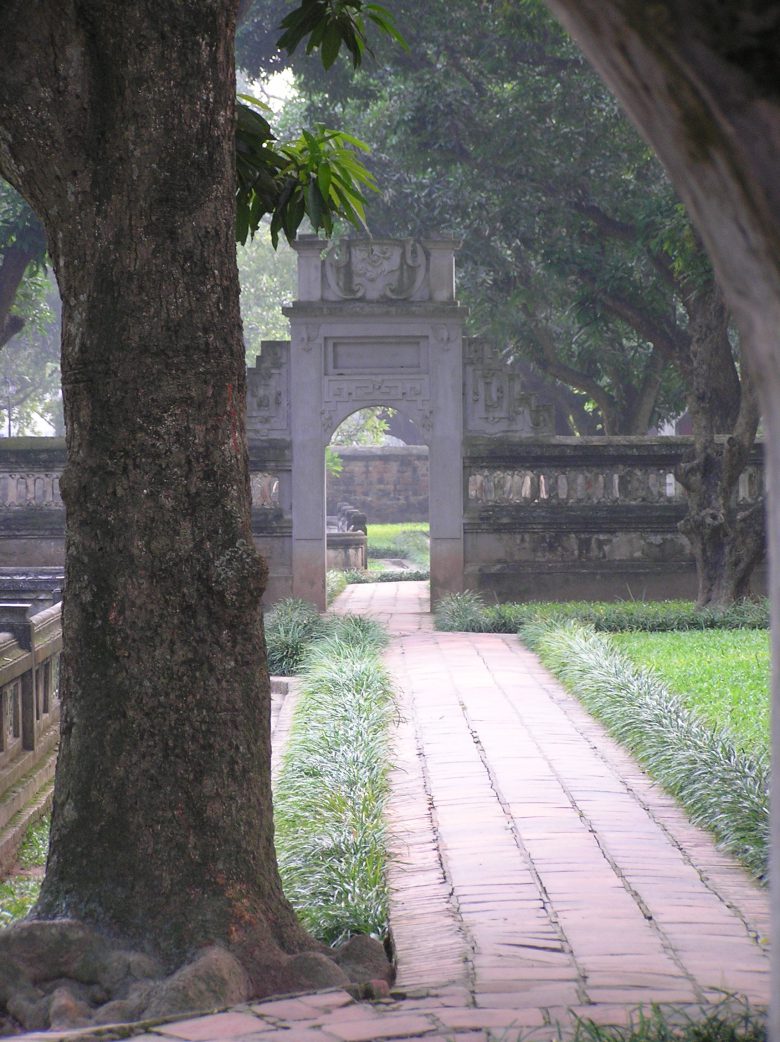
column 581, row 518
column 388, row 483
column 32, row 516
column 543, row 517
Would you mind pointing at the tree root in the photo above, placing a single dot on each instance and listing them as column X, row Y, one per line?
column 62, row 974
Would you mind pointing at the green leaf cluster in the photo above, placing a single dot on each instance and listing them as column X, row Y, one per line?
column 19, row 226
column 330, row 23
column 319, row 176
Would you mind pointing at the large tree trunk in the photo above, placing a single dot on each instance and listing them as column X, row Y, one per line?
column 727, row 538
column 700, row 80
column 162, row 830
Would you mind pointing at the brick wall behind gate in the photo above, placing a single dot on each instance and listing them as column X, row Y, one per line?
column 388, row 483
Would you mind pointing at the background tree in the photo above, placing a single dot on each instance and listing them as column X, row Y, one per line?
column 268, row 280
column 29, row 321
column 22, row 248
column 577, row 255
column 30, row 398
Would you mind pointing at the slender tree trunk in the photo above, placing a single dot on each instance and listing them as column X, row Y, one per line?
column 162, row 829
column 727, row 540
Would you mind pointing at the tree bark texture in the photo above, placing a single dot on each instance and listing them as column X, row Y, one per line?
column 699, row 78
column 116, row 123
column 727, row 538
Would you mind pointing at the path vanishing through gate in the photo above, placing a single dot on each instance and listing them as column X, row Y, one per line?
column 536, row 871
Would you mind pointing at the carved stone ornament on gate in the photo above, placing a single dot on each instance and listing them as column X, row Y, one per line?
column 377, row 270
column 442, row 335
column 309, row 335
column 495, row 400
column 381, row 390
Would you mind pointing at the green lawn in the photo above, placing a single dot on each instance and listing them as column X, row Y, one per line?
column 722, row 674
column 408, row 539
column 19, row 891
column 386, row 534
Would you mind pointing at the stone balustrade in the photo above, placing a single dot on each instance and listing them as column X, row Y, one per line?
column 29, row 715
column 558, row 518
column 542, row 516
column 346, row 540
column 30, row 490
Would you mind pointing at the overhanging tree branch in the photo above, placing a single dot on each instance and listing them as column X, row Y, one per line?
column 627, row 232
column 672, row 342
column 550, row 363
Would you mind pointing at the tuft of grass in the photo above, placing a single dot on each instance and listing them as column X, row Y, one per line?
column 723, row 788
column 17, row 896
column 332, row 788
column 732, row 1020
column 295, row 625
column 19, row 892
column 289, row 630
column 335, row 583
column 649, row 616
column 614, row 617
column 722, row 675
column 461, row 612
column 356, row 631
column 409, row 540
column 388, row 533
column 387, row 576
column 35, row 845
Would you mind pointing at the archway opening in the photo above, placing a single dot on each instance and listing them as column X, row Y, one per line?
column 377, row 482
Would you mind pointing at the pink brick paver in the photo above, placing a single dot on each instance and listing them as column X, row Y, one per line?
column 536, row 872
column 401, row 607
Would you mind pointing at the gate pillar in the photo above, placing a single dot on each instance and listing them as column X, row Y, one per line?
column 376, row 323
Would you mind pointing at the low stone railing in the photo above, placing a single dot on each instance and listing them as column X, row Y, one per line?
column 350, row 519
column 586, row 518
column 29, row 717
column 346, row 540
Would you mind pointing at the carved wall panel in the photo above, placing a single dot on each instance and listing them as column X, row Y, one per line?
column 268, row 391
column 494, row 399
column 30, row 490
column 572, row 485
column 265, row 489
column 376, row 354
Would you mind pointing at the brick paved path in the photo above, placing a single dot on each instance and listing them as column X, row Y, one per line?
column 535, row 865
column 536, row 871
column 563, row 877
